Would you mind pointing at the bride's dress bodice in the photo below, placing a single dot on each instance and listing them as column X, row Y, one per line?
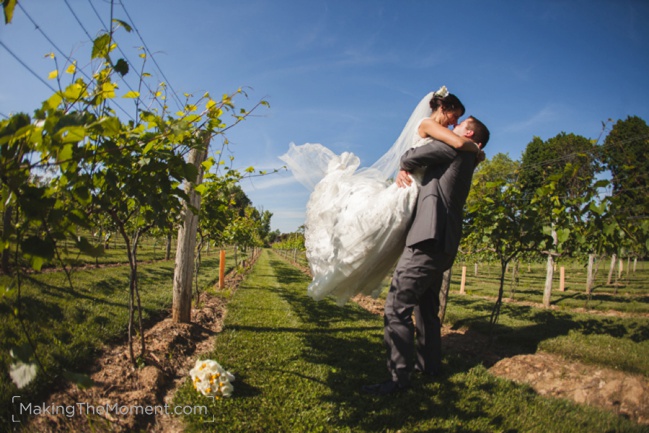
column 356, row 223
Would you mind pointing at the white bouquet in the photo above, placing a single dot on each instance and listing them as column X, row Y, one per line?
column 211, row 379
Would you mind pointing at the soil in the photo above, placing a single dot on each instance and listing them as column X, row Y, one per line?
column 173, row 348
column 551, row 375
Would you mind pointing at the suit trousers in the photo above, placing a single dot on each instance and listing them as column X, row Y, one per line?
column 416, row 284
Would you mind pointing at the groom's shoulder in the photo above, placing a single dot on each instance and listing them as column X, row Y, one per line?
column 440, row 146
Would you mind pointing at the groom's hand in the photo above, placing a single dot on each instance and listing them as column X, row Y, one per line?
column 403, row 179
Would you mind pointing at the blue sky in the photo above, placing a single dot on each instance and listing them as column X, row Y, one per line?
column 347, row 74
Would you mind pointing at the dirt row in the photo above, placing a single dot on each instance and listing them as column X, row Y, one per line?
column 172, row 350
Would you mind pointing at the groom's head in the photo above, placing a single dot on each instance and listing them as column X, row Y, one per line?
column 474, row 130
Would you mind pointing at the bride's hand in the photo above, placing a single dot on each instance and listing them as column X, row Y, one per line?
column 403, row 179
column 480, row 156
column 471, row 146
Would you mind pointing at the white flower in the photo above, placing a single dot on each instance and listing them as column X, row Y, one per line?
column 442, row 92
column 211, row 380
column 22, row 374
column 226, row 389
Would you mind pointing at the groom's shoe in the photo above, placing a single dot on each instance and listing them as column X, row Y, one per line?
column 385, row 388
column 435, row 373
column 428, row 375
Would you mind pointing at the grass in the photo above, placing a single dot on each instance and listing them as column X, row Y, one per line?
column 70, row 326
column 630, row 294
column 149, row 249
column 593, row 339
column 300, row 365
column 620, row 354
column 569, row 329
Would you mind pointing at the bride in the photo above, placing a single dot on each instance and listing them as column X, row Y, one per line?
column 357, row 219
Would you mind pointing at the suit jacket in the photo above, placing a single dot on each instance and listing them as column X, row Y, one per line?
column 445, row 187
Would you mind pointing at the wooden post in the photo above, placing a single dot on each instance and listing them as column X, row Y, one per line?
column 222, row 270
column 589, row 277
column 562, row 279
column 463, row 282
column 186, row 248
column 168, row 245
column 620, row 269
column 611, row 269
column 476, row 269
column 547, row 291
column 549, row 274
column 514, row 283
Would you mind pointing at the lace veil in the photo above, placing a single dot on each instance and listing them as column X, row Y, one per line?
column 310, row 161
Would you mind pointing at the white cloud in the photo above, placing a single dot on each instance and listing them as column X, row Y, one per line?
column 267, row 182
column 544, row 116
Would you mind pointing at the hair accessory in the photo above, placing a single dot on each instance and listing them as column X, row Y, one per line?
column 442, row 92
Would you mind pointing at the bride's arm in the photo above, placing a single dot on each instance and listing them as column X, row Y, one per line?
column 434, row 130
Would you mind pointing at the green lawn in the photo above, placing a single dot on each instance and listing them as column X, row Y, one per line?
column 300, row 365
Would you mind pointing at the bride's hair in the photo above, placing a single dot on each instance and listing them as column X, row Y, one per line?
column 448, row 103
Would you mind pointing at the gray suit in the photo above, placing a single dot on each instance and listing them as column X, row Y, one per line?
column 431, row 245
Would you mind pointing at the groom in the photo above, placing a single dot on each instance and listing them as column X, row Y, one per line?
column 431, row 245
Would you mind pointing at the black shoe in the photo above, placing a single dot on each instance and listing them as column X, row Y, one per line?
column 436, row 374
column 386, row 388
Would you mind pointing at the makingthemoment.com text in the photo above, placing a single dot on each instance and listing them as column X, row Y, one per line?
column 115, row 409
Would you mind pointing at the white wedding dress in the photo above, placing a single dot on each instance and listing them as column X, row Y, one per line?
column 356, row 219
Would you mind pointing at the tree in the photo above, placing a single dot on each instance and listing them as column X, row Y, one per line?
column 216, row 212
column 495, row 220
column 76, row 164
column 185, row 264
column 12, row 156
column 556, row 176
column 290, row 243
column 244, row 231
column 541, row 159
column 219, row 205
column 265, row 234
column 76, row 160
column 624, row 153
